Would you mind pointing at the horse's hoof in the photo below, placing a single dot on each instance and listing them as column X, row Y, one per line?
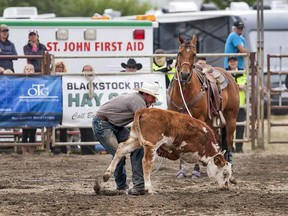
column 195, row 175
column 106, row 176
column 233, row 180
column 181, row 175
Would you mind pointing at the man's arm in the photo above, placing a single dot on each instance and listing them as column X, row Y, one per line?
column 242, row 49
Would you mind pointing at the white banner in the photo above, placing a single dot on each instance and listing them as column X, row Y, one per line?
column 79, row 110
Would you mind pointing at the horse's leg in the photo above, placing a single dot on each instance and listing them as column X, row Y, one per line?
column 230, row 129
column 224, row 145
column 227, row 140
column 182, row 170
column 196, row 172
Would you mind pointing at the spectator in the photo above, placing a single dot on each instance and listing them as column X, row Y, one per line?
column 131, row 66
column 161, row 64
column 87, row 133
column 28, row 134
column 286, row 81
column 6, row 48
column 236, row 43
column 29, row 69
column 2, row 70
column 109, row 127
column 8, row 71
column 34, row 47
column 201, row 61
column 60, row 67
column 241, row 81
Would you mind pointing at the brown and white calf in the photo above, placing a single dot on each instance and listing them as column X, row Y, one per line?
column 173, row 135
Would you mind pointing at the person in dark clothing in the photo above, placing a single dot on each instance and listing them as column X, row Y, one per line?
column 286, row 81
column 131, row 66
column 6, row 48
column 241, row 81
column 34, row 47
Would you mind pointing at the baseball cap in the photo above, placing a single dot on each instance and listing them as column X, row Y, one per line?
column 238, row 24
column 232, row 58
column 3, row 27
column 33, row 31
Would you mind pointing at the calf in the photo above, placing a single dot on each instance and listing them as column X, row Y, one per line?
column 173, row 135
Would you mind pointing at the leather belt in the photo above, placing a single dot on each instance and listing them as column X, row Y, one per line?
column 103, row 118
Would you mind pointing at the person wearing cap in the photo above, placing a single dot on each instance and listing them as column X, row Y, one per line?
column 109, row 128
column 6, row 48
column 241, row 80
column 131, row 66
column 164, row 65
column 236, row 43
column 34, row 47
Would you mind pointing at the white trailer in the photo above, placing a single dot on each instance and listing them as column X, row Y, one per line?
column 85, row 37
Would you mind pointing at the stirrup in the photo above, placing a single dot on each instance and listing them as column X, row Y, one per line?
column 219, row 121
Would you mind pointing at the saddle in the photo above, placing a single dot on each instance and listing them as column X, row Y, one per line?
column 215, row 82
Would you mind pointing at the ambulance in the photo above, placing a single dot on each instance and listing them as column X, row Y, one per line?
column 99, row 41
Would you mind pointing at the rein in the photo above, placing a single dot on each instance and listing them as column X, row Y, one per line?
column 181, row 90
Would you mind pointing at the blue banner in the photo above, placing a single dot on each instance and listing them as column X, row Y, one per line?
column 30, row 101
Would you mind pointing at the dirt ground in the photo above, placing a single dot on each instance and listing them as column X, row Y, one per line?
column 63, row 185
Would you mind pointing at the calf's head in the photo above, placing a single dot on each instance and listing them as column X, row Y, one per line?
column 219, row 170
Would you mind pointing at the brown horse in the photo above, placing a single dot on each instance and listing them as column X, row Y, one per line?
column 189, row 92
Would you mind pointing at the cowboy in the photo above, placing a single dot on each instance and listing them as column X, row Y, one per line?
column 109, row 128
column 131, row 66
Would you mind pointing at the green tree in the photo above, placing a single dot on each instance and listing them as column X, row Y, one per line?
column 81, row 8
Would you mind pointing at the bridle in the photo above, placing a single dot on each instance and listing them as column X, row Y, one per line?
column 186, row 62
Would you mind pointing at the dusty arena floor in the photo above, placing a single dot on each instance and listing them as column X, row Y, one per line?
column 63, row 185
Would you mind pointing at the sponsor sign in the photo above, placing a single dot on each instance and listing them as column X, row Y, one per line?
column 79, row 109
column 30, row 101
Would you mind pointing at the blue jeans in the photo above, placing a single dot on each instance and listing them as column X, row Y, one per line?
column 110, row 136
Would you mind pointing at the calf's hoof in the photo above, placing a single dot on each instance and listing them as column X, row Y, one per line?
column 97, row 186
column 106, row 176
column 233, row 180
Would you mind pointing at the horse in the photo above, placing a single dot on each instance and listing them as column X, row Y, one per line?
column 190, row 92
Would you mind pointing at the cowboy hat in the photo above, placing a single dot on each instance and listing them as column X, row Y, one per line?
column 150, row 88
column 131, row 63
